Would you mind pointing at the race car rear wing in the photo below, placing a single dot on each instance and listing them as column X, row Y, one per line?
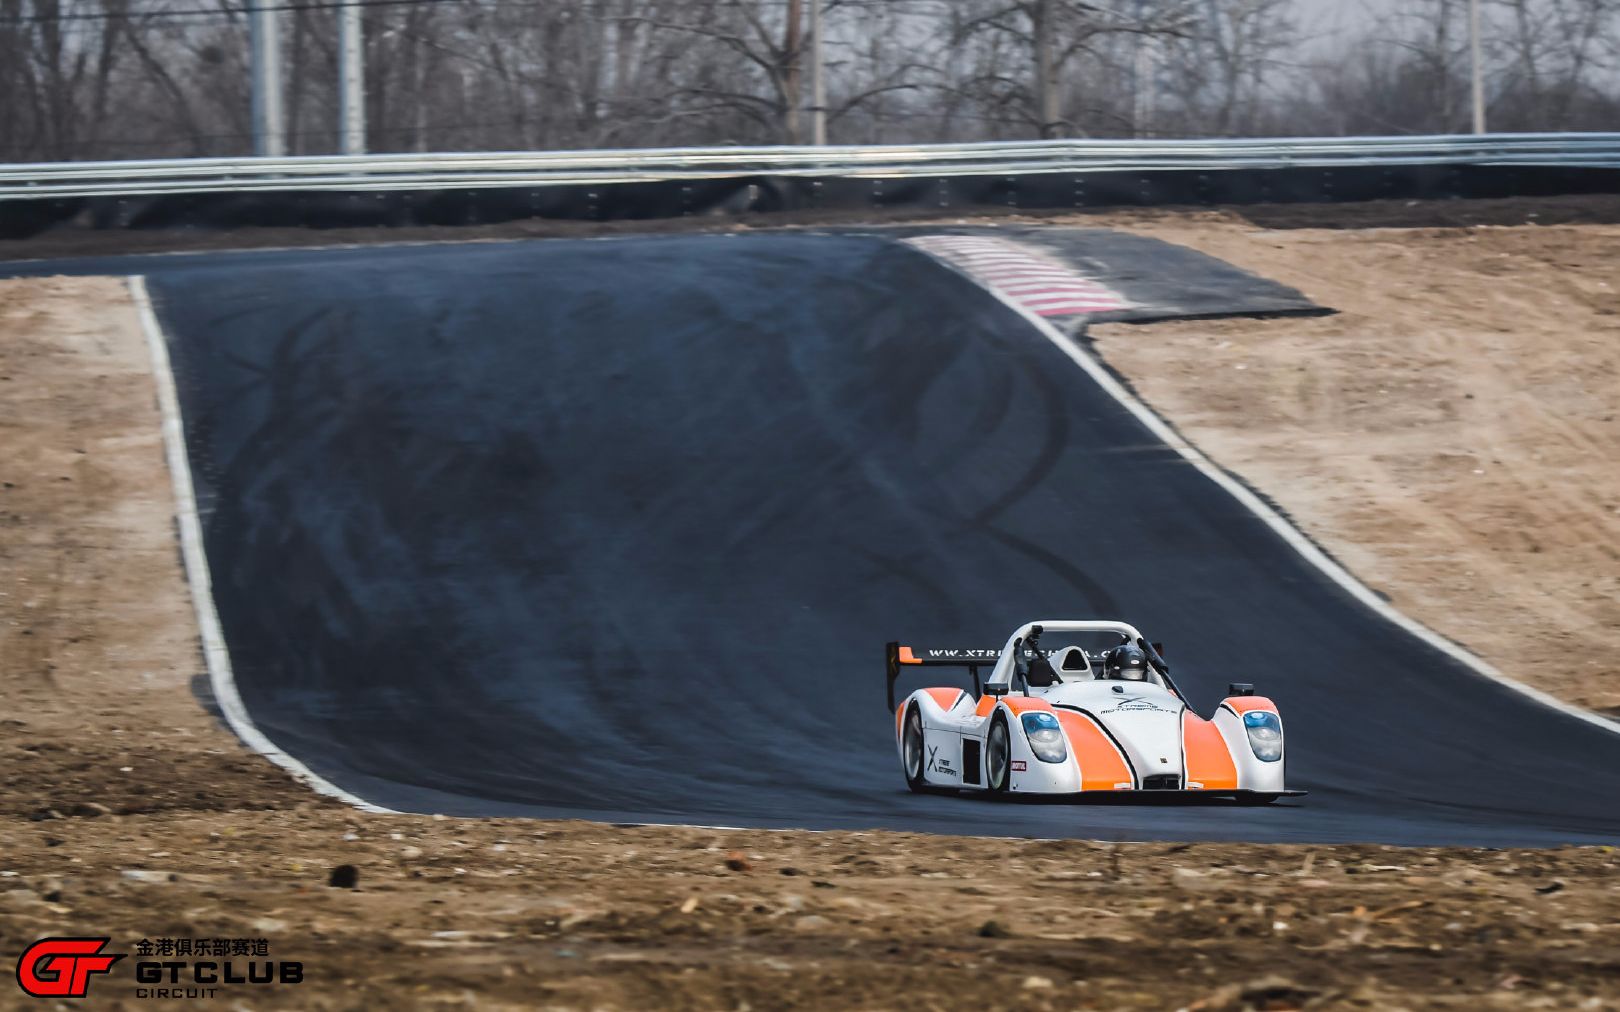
column 899, row 657
column 973, row 658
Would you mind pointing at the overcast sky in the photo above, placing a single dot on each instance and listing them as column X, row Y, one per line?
column 1324, row 19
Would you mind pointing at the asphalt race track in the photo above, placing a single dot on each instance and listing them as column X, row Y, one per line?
column 616, row 530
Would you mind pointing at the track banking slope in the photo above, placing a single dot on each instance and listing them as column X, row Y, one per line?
column 616, row 530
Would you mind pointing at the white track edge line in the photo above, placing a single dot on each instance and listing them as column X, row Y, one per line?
column 215, row 654
column 1287, row 531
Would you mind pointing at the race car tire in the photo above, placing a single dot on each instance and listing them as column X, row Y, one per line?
column 1256, row 798
column 913, row 761
column 998, row 757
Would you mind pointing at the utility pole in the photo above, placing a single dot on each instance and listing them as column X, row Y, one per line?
column 351, row 81
column 818, row 79
column 1476, row 69
column 793, row 51
column 1146, row 80
column 1045, row 69
column 269, row 123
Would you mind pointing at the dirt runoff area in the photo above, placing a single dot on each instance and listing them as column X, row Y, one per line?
column 127, row 812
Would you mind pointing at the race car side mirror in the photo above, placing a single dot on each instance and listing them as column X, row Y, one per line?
column 996, row 688
column 1240, row 689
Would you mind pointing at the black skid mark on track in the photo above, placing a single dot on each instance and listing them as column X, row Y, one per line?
column 1094, row 599
column 992, row 405
column 1053, row 441
column 916, row 576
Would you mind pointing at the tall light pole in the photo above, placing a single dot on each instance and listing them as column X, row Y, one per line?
column 818, row 79
column 1475, row 68
column 351, row 81
column 269, row 122
column 1142, row 114
column 1046, row 69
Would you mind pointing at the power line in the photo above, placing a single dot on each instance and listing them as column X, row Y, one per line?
column 185, row 18
column 212, row 12
column 317, row 5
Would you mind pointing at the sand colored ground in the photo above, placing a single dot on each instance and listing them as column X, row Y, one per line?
column 98, row 642
column 510, row 914
column 1452, row 434
column 125, row 810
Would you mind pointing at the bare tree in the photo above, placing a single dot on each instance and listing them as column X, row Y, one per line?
column 1215, row 71
column 112, row 78
column 1060, row 69
column 1550, row 50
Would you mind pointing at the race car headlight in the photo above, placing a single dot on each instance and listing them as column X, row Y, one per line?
column 1265, row 734
column 1045, row 737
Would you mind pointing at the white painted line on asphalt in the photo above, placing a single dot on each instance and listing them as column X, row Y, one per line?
column 217, row 657
column 1290, row 534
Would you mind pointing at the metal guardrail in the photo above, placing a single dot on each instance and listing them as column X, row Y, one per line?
column 515, row 168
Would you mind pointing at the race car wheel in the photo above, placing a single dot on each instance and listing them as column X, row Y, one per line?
column 998, row 757
column 912, row 749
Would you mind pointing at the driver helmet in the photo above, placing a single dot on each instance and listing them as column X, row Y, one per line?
column 1126, row 663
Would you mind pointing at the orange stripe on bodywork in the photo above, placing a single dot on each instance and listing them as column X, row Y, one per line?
column 1209, row 761
column 945, row 698
column 1101, row 765
column 1023, row 704
column 1243, row 704
column 899, row 722
column 905, row 656
column 1017, row 704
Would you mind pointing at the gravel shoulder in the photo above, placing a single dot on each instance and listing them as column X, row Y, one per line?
column 128, row 811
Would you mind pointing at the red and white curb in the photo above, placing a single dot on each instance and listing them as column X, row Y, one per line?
column 1029, row 277
column 1284, row 528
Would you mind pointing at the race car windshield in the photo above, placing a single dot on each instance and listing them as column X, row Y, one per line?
column 1084, row 655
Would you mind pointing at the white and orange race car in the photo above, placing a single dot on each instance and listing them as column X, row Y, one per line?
column 1071, row 721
